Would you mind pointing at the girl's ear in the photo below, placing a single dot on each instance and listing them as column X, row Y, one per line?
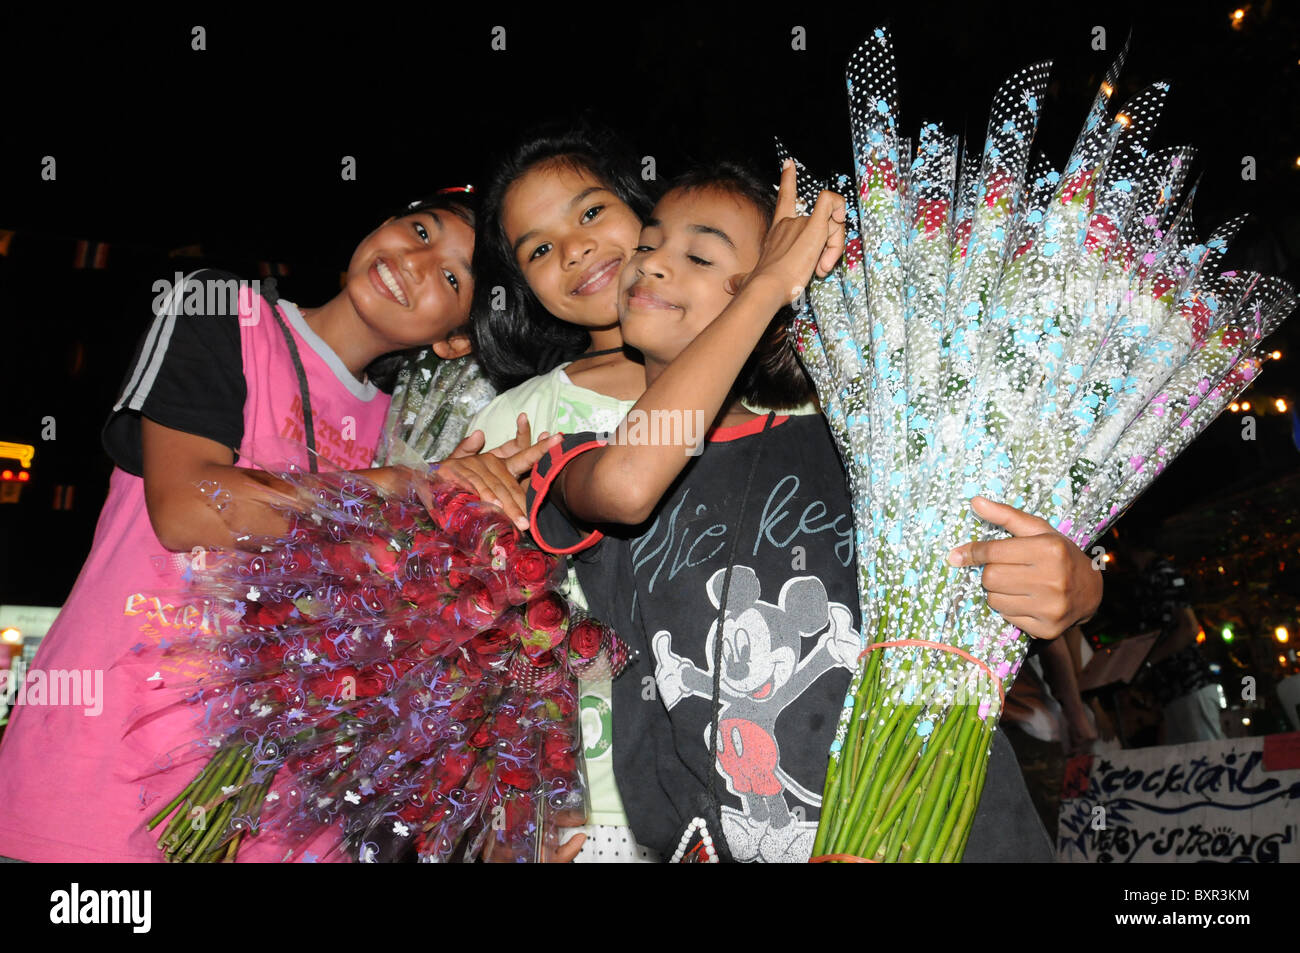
column 456, row 344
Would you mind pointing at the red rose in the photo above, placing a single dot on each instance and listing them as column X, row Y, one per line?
column 527, row 572
column 585, row 639
column 478, row 603
column 293, row 560
column 546, row 620
column 370, row 600
column 1102, row 233
column 853, row 252
column 452, row 767
column 506, row 726
column 1198, row 317
column 447, row 497
column 333, row 684
column 491, row 646
column 1163, row 287
column 1082, row 180
column 521, row 778
column 563, row 700
column 381, row 550
column 562, row 761
column 266, row 615
column 272, row 652
column 931, row 215
column 496, row 539
column 961, row 235
column 1232, row 338
column 342, row 560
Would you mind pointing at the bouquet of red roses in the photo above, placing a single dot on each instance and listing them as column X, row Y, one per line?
column 399, row 674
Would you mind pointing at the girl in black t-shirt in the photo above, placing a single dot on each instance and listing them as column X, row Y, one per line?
column 701, row 299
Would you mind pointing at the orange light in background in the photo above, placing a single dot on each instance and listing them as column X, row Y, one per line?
column 1277, row 355
column 1281, row 405
column 1234, row 407
column 1237, row 16
column 1123, row 120
column 1281, row 634
column 1200, row 636
column 24, row 476
column 11, row 636
column 7, row 475
column 1245, row 405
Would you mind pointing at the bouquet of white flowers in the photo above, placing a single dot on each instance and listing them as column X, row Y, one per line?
column 997, row 328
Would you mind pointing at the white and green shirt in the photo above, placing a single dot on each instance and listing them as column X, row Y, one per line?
column 556, row 404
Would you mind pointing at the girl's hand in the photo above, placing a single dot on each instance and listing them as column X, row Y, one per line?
column 1038, row 580
column 797, row 246
column 566, row 852
column 475, row 439
column 496, row 479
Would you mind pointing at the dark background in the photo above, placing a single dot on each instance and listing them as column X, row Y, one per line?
column 231, row 156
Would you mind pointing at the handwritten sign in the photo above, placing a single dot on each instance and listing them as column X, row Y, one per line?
column 1211, row 801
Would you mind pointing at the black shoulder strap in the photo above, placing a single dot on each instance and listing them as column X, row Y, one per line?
column 272, row 296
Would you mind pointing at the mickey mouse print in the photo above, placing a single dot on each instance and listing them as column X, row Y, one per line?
column 763, row 668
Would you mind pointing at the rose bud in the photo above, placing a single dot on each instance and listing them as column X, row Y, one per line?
column 528, row 572
column 546, row 621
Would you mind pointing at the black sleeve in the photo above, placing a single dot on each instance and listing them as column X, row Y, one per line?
column 551, row 527
column 187, row 373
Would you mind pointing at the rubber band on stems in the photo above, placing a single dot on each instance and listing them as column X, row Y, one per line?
column 1002, row 696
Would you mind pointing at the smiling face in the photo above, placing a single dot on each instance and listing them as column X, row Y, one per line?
column 570, row 236
column 410, row 279
column 675, row 284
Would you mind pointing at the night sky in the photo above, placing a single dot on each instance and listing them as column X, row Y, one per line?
column 237, row 150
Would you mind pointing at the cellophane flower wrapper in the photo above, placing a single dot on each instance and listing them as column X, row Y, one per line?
column 395, row 681
column 995, row 327
column 433, row 401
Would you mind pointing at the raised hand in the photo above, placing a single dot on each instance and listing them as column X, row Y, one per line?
column 797, row 246
column 1038, row 580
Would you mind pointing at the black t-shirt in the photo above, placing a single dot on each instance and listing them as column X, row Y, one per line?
column 790, row 646
column 187, row 373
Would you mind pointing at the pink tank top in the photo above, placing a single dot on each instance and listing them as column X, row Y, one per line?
column 75, row 783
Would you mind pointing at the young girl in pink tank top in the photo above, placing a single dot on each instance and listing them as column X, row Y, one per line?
column 227, row 379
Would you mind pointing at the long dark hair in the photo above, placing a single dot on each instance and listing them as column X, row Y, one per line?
column 461, row 202
column 772, row 377
column 522, row 339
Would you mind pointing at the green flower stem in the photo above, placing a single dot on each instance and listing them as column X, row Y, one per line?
column 158, row 818
column 982, row 768
column 891, row 815
column 940, row 806
column 202, row 788
column 904, row 844
column 187, row 836
column 894, row 771
column 952, row 849
column 853, row 816
column 217, row 822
